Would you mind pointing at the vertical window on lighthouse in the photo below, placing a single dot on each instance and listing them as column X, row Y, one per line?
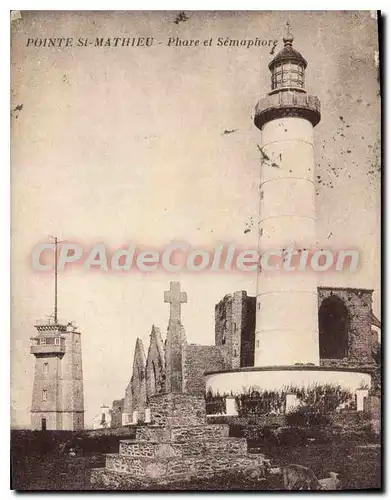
column 45, row 368
column 295, row 76
column 44, row 395
column 288, row 74
column 277, row 76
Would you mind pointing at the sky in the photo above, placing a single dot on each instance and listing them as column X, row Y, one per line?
column 121, row 145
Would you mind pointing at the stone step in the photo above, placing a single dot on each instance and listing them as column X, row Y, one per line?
column 231, row 446
column 180, row 467
column 182, row 432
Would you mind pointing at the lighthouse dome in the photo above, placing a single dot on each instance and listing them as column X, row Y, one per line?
column 288, row 66
column 288, row 53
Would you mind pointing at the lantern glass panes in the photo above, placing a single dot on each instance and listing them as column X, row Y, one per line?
column 288, row 74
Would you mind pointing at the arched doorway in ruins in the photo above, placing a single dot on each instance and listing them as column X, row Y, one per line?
column 333, row 328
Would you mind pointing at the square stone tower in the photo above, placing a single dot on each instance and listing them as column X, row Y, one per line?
column 57, row 402
column 235, row 328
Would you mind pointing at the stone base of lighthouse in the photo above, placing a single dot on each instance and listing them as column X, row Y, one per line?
column 278, row 378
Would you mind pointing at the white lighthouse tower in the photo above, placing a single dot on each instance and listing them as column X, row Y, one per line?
column 287, row 305
column 286, row 351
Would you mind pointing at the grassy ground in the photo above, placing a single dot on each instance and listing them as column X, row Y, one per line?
column 358, row 465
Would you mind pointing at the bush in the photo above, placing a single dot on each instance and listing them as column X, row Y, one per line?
column 261, row 403
column 215, row 403
column 323, row 398
column 307, row 416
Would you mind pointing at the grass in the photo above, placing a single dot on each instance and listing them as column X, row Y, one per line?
column 359, row 466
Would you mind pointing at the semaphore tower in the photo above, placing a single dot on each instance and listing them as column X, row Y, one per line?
column 57, row 401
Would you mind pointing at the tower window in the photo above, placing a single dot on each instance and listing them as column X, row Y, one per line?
column 57, row 341
column 44, row 395
column 45, row 368
column 223, row 341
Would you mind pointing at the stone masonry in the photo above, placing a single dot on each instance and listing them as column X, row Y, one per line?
column 176, row 365
column 173, row 365
column 58, row 400
column 178, row 445
column 356, row 304
column 235, row 328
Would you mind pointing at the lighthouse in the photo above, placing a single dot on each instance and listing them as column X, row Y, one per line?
column 286, row 350
column 286, row 330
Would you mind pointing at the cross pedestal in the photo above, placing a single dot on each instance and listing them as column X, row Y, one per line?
column 175, row 339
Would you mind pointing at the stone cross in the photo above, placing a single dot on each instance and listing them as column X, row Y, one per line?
column 175, row 298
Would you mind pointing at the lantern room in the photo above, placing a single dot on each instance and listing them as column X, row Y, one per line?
column 288, row 67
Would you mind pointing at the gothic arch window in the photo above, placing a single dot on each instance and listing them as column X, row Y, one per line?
column 333, row 328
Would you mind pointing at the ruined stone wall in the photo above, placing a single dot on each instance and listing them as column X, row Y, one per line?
column 139, row 396
column 235, row 328
column 238, row 304
column 223, row 327
column 128, row 401
column 155, row 375
column 248, row 331
column 359, row 305
column 197, row 360
column 116, row 413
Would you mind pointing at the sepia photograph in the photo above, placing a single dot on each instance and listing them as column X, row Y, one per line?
column 196, row 250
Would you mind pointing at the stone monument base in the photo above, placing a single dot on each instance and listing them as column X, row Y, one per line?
column 178, row 444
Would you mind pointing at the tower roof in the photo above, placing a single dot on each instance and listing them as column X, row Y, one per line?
column 288, row 53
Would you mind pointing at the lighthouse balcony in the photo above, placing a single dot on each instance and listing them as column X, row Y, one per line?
column 48, row 345
column 46, row 349
column 287, row 103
